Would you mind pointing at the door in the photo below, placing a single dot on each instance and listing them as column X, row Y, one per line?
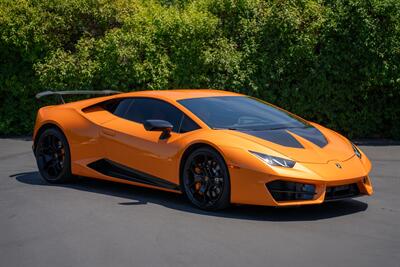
column 141, row 154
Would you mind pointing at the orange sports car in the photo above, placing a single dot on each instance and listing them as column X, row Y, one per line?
column 215, row 147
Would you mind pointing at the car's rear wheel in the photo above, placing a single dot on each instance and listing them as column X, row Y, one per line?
column 205, row 179
column 53, row 156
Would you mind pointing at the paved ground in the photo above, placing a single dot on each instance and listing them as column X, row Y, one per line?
column 94, row 223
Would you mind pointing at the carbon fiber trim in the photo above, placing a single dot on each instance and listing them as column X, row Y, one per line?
column 116, row 170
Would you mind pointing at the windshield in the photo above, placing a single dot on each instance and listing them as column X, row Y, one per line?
column 240, row 113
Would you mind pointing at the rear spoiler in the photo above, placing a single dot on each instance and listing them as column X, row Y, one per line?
column 61, row 93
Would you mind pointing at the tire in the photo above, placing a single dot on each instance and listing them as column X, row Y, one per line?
column 53, row 156
column 205, row 179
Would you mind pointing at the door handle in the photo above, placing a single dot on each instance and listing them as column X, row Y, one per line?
column 108, row 132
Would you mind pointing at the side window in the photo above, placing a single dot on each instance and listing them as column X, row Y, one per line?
column 122, row 107
column 188, row 125
column 142, row 109
column 110, row 105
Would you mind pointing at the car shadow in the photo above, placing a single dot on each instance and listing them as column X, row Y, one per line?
column 136, row 195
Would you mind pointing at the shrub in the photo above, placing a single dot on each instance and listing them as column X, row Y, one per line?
column 335, row 62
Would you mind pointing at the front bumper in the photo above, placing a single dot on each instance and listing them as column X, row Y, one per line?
column 318, row 183
column 260, row 194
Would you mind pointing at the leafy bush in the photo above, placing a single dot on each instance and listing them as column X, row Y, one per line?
column 336, row 62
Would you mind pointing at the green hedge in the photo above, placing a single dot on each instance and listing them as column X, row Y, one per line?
column 336, row 62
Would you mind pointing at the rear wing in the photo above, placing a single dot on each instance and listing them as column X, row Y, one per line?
column 61, row 93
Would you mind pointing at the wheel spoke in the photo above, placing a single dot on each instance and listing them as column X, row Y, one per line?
column 49, row 164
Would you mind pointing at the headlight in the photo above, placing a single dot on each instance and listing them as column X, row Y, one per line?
column 274, row 161
column 356, row 151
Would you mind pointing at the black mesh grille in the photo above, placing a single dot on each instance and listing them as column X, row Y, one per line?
column 341, row 191
column 286, row 191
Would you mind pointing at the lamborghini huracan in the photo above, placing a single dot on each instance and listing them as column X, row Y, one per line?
column 215, row 147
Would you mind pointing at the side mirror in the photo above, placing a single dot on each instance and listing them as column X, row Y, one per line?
column 159, row 126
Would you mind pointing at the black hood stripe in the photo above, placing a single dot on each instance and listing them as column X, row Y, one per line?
column 280, row 137
column 284, row 138
column 312, row 134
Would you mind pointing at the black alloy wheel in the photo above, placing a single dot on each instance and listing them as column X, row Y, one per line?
column 53, row 156
column 206, row 179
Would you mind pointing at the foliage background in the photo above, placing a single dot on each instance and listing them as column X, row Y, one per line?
column 336, row 62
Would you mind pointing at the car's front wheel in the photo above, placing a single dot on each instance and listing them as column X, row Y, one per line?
column 53, row 156
column 206, row 179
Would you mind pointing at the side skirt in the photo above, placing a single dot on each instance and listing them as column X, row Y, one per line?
column 116, row 170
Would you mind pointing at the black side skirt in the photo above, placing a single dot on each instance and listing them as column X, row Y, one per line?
column 116, row 170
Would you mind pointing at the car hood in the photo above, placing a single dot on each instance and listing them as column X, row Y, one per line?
column 313, row 144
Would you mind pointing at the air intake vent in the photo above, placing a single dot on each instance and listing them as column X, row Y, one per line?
column 342, row 191
column 289, row 191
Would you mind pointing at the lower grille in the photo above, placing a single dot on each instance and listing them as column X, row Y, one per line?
column 341, row 191
column 286, row 191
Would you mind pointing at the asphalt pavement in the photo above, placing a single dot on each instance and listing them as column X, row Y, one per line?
column 96, row 223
